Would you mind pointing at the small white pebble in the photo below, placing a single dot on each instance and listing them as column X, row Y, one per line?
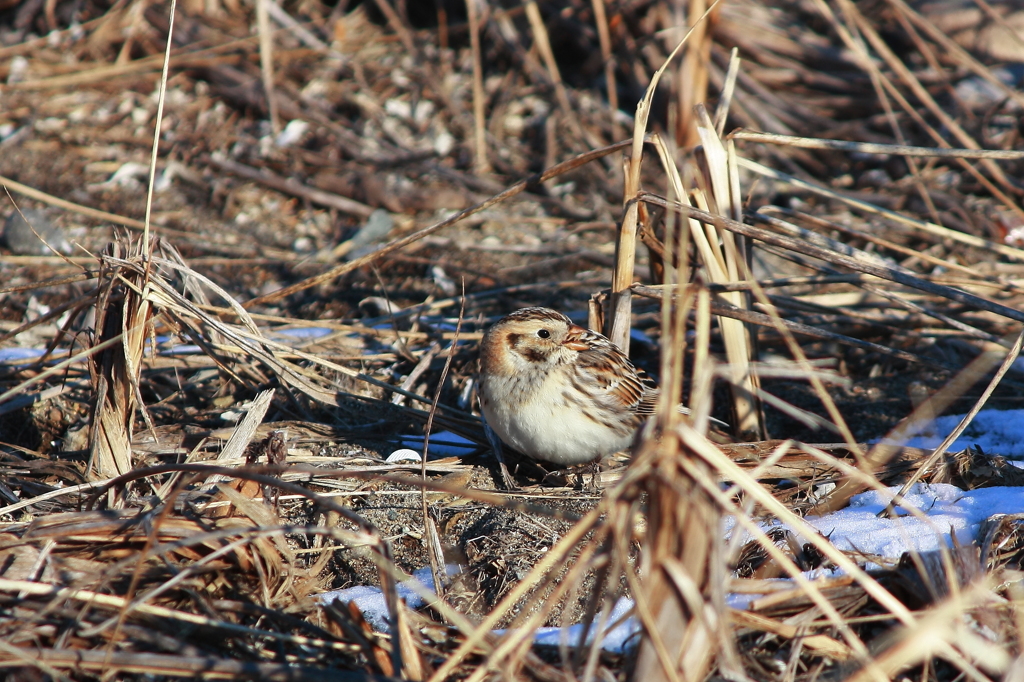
column 822, row 491
column 140, row 116
column 17, row 70
column 444, row 143
column 403, row 455
column 292, row 133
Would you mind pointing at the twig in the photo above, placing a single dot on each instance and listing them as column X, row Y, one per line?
column 208, row 667
column 752, row 317
column 875, row 148
column 157, row 131
column 292, row 186
column 889, row 273
column 33, row 193
column 437, row 568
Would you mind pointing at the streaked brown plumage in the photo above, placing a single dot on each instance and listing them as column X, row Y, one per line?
column 557, row 392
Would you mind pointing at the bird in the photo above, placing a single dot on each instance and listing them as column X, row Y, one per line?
column 557, row 392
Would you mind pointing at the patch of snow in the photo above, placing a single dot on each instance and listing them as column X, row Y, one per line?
column 997, row 432
column 948, row 509
column 374, row 606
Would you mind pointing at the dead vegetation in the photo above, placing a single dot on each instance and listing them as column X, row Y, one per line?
column 209, row 363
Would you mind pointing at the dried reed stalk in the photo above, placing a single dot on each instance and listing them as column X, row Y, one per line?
column 122, row 310
column 726, row 258
column 680, row 606
column 604, row 38
column 480, row 161
column 681, row 564
column 267, row 62
column 691, row 78
column 619, row 318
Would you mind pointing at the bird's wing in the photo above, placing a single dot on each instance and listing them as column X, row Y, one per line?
column 609, row 376
column 650, row 397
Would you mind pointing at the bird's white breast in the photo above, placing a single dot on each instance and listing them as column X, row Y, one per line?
column 545, row 425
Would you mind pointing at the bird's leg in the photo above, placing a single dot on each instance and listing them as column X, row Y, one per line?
column 506, row 477
column 595, row 474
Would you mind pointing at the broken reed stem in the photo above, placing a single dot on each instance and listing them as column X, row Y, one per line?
column 728, row 90
column 673, row 312
column 725, row 256
column 681, row 559
column 121, row 311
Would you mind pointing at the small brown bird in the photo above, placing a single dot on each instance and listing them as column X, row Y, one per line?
column 557, row 392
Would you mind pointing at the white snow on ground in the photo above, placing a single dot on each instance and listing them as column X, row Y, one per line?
column 620, row 631
column 371, row 602
column 853, row 528
column 997, row 432
column 857, row 528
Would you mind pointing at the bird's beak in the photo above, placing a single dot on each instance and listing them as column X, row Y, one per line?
column 572, row 339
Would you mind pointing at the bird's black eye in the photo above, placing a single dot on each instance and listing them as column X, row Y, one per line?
column 543, row 333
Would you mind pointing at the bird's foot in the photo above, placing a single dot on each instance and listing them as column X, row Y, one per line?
column 576, row 477
column 595, row 477
column 508, row 481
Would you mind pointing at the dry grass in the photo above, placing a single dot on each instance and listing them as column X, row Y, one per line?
column 856, row 225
